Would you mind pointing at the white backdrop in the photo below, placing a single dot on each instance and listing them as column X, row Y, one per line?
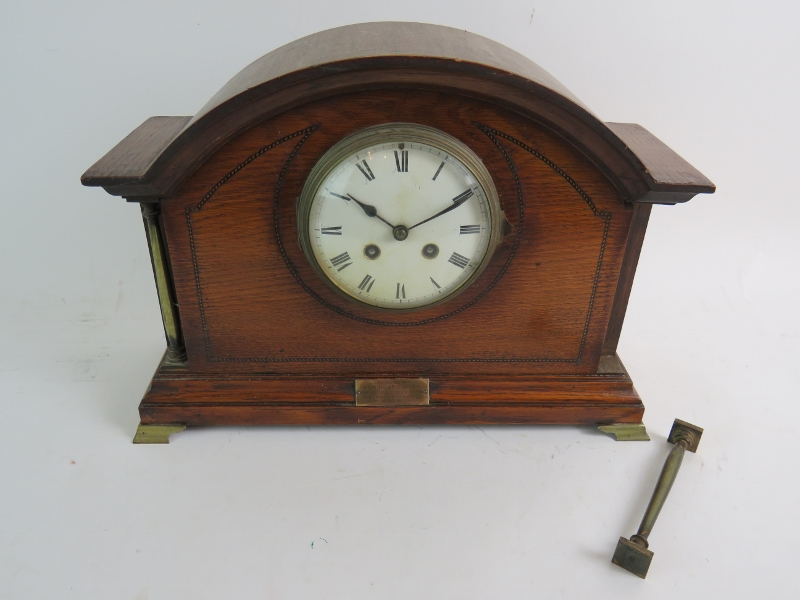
column 711, row 335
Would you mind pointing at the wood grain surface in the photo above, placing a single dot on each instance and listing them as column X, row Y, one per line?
column 324, row 400
column 250, row 301
column 129, row 161
column 662, row 165
column 269, row 342
column 633, row 248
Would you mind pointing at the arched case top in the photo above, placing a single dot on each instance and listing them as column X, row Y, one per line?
column 162, row 153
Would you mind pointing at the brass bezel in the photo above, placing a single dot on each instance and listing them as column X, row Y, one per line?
column 398, row 132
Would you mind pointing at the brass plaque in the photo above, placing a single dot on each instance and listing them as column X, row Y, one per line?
column 392, row 392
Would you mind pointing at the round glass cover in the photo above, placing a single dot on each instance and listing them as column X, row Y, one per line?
column 399, row 216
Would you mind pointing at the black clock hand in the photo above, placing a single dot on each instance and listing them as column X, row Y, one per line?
column 457, row 201
column 371, row 211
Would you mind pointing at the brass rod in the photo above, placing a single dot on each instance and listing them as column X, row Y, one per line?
column 176, row 353
column 633, row 555
column 668, row 474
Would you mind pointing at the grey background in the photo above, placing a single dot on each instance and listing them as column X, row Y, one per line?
column 711, row 335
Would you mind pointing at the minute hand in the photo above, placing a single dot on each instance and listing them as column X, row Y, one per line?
column 457, row 201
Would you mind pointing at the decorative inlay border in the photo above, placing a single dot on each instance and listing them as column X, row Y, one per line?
column 493, row 135
column 305, row 133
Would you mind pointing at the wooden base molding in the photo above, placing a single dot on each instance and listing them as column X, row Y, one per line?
column 194, row 400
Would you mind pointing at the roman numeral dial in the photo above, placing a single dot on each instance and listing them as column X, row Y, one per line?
column 366, row 283
column 365, row 170
column 401, row 160
column 342, row 261
column 458, row 260
column 399, row 217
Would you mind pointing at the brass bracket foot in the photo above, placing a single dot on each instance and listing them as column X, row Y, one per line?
column 156, row 434
column 626, row 432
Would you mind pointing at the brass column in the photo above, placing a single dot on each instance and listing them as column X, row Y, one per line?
column 176, row 352
column 633, row 555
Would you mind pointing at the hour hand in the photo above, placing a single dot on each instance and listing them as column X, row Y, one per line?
column 370, row 210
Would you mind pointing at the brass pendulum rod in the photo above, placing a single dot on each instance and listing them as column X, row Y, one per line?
column 176, row 353
column 633, row 555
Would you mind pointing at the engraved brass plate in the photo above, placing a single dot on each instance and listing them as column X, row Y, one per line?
column 392, row 392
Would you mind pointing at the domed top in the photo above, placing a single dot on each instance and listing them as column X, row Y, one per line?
column 334, row 49
column 156, row 158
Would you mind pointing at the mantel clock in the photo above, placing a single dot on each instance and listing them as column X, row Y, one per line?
column 393, row 223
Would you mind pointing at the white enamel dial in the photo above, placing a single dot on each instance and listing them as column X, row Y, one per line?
column 399, row 221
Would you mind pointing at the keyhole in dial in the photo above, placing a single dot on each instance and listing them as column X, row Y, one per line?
column 371, row 251
column 430, row 251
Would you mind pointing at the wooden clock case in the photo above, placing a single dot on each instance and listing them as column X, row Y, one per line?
column 256, row 337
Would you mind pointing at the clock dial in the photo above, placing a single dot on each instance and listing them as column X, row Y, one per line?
column 400, row 218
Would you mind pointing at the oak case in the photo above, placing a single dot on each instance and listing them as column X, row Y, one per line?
column 266, row 341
